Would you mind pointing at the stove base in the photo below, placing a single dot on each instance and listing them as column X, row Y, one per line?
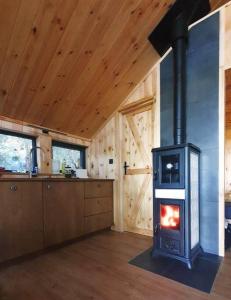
column 188, row 261
column 201, row 277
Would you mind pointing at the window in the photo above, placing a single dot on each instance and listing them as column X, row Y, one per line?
column 15, row 151
column 73, row 155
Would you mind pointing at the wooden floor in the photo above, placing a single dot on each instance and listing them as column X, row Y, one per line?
column 97, row 268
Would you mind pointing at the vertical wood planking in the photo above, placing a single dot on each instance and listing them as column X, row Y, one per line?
column 132, row 203
column 227, row 36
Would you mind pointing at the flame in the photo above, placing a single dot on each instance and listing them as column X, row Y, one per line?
column 170, row 216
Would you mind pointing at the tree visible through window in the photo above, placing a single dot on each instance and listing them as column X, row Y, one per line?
column 15, row 152
column 73, row 155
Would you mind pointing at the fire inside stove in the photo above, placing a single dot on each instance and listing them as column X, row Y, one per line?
column 170, row 217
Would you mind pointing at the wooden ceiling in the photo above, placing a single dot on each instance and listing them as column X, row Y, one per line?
column 217, row 3
column 68, row 64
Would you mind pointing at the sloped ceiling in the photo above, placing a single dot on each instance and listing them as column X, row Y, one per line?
column 217, row 3
column 68, row 64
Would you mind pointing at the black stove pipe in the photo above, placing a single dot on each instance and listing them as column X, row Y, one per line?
column 173, row 31
column 179, row 45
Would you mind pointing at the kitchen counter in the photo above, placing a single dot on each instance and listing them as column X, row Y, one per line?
column 52, row 179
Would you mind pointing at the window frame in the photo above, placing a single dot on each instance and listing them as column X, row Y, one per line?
column 24, row 136
column 81, row 149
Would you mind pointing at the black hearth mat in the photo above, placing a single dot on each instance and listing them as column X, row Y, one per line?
column 201, row 277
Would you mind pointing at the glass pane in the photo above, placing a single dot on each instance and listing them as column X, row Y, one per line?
column 71, row 156
column 170, row 168
column 14, row 153
column 170, row 216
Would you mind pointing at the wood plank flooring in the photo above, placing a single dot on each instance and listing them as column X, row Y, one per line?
column 97, row 268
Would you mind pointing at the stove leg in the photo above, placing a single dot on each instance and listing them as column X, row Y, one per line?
column 189, row 264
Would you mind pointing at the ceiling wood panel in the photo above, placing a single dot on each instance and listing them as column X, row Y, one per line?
column 217, row 3
column 68, row 65
column 87, row 62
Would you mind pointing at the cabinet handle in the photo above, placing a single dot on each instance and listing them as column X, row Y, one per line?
column 13, row 188
column 48, row 186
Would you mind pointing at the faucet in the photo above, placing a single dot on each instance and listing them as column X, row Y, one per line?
column 33, row 149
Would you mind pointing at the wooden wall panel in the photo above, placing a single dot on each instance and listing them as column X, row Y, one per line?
column 116, row 141
column 228, row 99
column 227, row 46
column 228, row 164
column 102, row 148
column 227, row 77
column 228, row 134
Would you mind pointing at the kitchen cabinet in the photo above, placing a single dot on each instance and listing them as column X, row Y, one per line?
column 93, row 206
column 98, row 189
column 63, row 211
column 21, row 218
column 98, row 205
column 36, row 213
column 98, row 222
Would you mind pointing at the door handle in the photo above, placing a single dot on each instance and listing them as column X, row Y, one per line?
column 125, row 168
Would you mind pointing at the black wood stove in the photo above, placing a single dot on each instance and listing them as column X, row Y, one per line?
column 176, row 202
column 176, row 219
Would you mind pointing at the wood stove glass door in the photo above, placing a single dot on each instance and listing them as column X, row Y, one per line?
column 170, row 223
column 170, row 216
column 170, row 168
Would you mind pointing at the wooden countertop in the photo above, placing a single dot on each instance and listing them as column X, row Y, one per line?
column 53, row 179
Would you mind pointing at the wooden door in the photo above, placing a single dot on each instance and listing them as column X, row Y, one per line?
column 63, row 211
column 137, row 144
column 21, row 218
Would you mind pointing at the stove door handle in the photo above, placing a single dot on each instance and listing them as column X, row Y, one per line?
column 155, row 175
column 156, row 229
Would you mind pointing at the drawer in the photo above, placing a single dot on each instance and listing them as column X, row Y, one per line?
column 98, row 222
column 96, row 189
column 93, row 206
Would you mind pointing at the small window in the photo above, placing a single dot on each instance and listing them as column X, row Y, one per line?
column 74, row 155
column 15, row 151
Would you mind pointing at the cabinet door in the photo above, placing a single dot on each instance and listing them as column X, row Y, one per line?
column 21, row 218
column 63, row 211
column 97, row 222
column 94, row 189
column 94, row 206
